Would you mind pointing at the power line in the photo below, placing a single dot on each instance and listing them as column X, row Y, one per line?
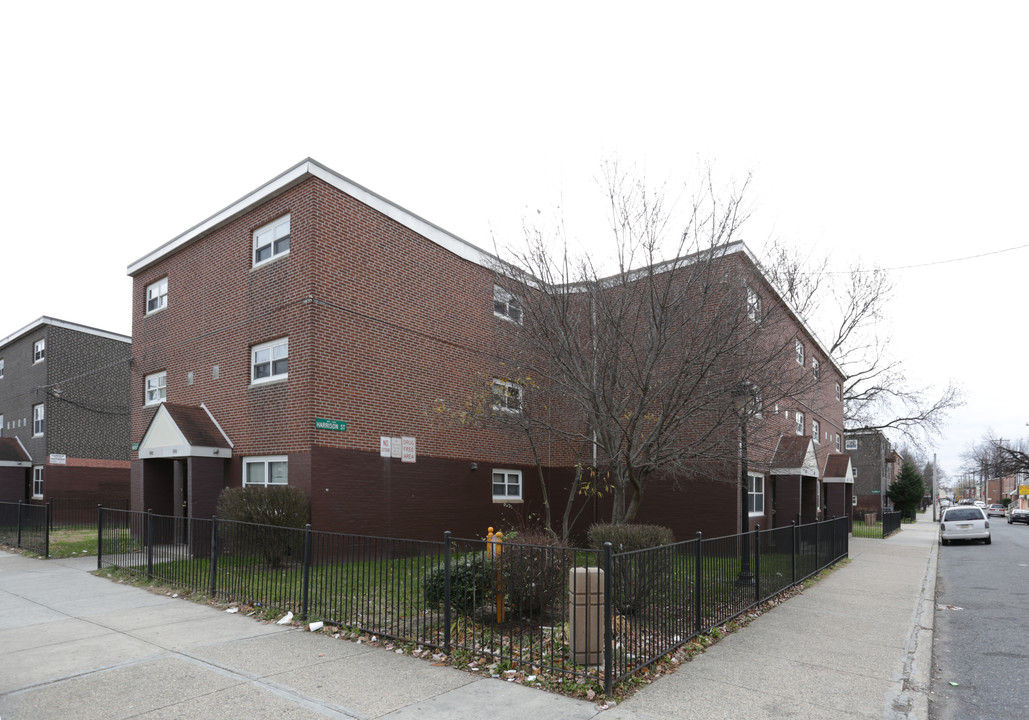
column 935, row 262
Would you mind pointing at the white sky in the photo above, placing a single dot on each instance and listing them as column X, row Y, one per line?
column 894, row 132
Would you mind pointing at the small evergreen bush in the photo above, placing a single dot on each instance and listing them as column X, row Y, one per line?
column 265, row 514
column 642, row 575
column 472, row 583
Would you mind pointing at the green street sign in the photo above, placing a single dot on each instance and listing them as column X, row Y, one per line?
column 877, row 491
column 323, row 424
column 135, row 446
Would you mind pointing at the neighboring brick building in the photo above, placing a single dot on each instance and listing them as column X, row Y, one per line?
column 876, row 465
column 309, row 333
column 64, row 400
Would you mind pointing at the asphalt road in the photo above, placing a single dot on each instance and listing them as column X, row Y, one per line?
column 981, row 638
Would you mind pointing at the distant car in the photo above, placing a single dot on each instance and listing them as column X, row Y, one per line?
column 980, row 504
column 964, row 523
column 995, row 510
column 1017, row 514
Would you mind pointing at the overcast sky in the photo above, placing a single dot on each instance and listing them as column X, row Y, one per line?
column 892, row 132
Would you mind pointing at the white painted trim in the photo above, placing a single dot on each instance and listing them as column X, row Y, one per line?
column 217, row 425
column 44, row 321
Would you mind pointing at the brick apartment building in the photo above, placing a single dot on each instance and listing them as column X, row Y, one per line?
column 64, row 414
column 876, row 465
column 308, row 335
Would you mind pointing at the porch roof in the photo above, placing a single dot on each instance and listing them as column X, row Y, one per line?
column 795, row 455
column 184, row 431
column 837, row 469
column 13, row 453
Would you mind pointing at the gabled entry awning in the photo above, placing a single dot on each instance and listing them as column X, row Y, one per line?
column 838, row 469
column 13, row 453
column 795, row 455
column 184, row 431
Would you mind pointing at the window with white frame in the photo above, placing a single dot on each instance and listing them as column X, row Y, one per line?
column 756, row 494
column 1, row 367
column 839, row 393
column 39, row 350
column 800, row 352
column 837, row 442
column 157, row 296
column 800, row 423
column 506, row 305
column 38, row 420
column 507, row 396
column 270, row 361
column 156, row 388
column 507, row 485
column 816, row 430
column 852, row 444
column 753, row 304
column 37, row 481
column 265, row 471
column 816, row 368
column 853, row 472
column 271, row 240
column 1, row 425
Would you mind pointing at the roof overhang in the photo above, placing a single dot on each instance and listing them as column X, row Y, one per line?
column 164, row 439
column 18, row 463
column 838, row 469
column 45, row 321
column 804, row 464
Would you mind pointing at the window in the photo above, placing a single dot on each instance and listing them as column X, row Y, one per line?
column 815, row 431
column 756, row 494
column 1, row 367
column 37, row 481
column 853, row 472
column 265, row 471
column 506, row 305
column 39, row 350
column 1, row 425
column 837, row 442
column 852, row 444
column 816, row 369
column 507, row 396
column 839, row 394
column 270, row 361
column 507, row 485
column 156, row 389
column 271, row 241
column 753, row 304
column 800, row 423
column 157, row 296
column 800, row 352
column 38, row 420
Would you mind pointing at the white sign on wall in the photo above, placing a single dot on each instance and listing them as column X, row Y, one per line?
column 396, row 450
column 58, row 459
column 409, row 454
column 384, row 446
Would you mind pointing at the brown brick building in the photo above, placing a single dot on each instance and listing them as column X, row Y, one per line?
column 310, row 334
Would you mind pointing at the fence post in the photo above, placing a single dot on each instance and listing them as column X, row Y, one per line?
column 149, row 544
column 307, row 572
column 46, row 532
column 19, row 522
column 99, row 535
column 446, row 591
column 49, row 513
column 698, row 585
column 793, row 554
column 608, row 619
column 818, row 545
column 213, row 579
column 757, row 564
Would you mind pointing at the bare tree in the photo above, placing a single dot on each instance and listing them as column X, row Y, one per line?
column 848, row 310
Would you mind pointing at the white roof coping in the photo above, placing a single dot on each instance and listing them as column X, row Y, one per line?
column 44, row 321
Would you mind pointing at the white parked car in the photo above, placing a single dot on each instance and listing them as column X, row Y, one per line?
column 979, row 504
column 965, row 522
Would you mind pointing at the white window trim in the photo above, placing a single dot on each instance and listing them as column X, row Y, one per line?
column 160, row 387
column 816, row 431
column 751, row 493
column 753, row 304
column 503, row 297
column 816, row 369
column 273, row 227
column 837, row 442
column 799, row 348
column 159, row 291
column 799, row 423
column 272, row 376
column 500, row 389
column 41, row 420
column 507, row 474
column 851, row 444
column 1, row 367
column 839, row 393
column 265, row 460
column 37, row 480
column 39, row 351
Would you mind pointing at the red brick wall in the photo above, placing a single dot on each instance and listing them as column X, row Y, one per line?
column 14, row 483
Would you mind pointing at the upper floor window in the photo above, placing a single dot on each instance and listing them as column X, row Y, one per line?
column 37, row 481
column 852, row 444
column 507, row 396
column 753, row 304
column 816, row 368
column 507, row 485
column 271, row 240
column 156, row 388
column 756, row 494
column 816, row 430
column 800, row 423
column 837, row 442
column 39, row 350
column 506, row 305
column 157, row 296
column 38, row 420
column 800, row 352
column 1, row 367
column 265, row 471
column 270, row 361
column 839, row 392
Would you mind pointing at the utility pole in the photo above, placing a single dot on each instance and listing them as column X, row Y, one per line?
column 935, row 499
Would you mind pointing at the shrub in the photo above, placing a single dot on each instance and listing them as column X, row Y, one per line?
column 641, row 574
column 533, row 571
column 265, row 512
column 472, row 580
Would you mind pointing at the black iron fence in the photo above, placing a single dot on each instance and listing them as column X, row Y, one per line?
column 77, row 513
column 23, row 525
column 891, row 522
column 590, row 613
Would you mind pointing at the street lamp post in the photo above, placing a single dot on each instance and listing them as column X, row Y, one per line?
column 743, row 399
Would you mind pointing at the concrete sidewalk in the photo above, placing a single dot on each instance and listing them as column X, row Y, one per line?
column 856, row 645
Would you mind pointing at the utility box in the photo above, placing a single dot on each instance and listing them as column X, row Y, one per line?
column 586, row 607
column 870, row 518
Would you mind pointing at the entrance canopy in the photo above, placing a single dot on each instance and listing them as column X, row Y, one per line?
column 838, row 469
column 184, row 431
column 13, row 453
column 795, row 456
